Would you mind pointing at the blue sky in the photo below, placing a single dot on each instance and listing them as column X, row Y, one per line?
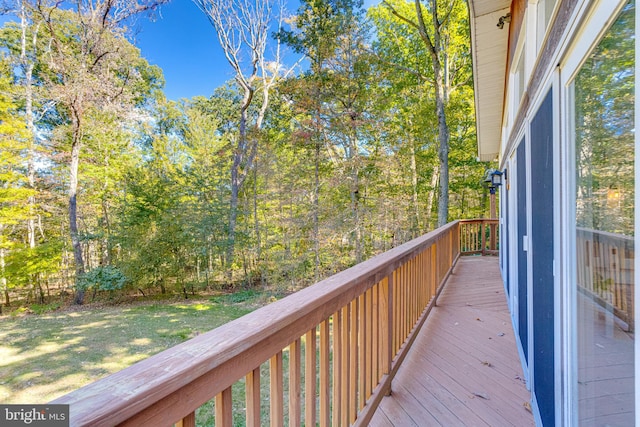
column 183, row 43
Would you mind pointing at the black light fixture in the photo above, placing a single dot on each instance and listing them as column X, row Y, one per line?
column 493, row 179
column 496, row 178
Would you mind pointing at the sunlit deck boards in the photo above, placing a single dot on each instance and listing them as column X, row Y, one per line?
column 463, row 368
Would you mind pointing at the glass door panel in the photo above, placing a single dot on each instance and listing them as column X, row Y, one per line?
column 604, row 103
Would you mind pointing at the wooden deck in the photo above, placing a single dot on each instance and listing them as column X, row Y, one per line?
column 463, row 368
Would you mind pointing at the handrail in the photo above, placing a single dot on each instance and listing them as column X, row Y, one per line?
column 479, row 236
column 355, row 327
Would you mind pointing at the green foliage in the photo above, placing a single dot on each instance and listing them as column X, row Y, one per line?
column 345, row 167
column 44, row 308
column 106, row 278
column 318, row 26
column 13, row 134
column 236, row 297
column 23, row 262
column 411, row 122
column 14, row 191
column 176, row 199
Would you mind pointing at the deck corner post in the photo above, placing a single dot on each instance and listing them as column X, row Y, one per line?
column 484, row 238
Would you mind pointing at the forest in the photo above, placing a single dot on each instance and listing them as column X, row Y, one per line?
column 343, row 133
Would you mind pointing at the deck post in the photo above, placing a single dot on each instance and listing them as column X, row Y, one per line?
column 492, row 236
column 484, row 238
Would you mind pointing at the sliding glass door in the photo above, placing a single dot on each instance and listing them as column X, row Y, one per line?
column 603, row 103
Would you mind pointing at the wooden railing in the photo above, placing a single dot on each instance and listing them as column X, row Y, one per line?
column 353, row 328
column 605, row 271
column 479, row 236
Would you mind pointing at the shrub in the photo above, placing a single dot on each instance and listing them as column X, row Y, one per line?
column 104, row 278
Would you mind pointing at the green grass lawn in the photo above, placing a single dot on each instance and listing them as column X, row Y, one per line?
column 45, row 356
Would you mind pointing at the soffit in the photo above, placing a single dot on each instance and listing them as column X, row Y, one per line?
column 489, row 46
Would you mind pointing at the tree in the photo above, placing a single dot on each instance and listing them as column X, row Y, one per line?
column 206, row 146
column 28, row 52
column 243, row 33
column 23, row 44
column 92, row 66
column 14, row 190
column 318, row 29
column 438, row 35
column 349, row 115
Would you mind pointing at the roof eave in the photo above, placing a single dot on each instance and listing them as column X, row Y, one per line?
column 489, row 49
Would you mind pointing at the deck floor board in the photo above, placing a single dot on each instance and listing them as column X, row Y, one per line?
column 463, row 368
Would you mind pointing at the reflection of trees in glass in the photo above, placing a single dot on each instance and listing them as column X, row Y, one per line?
column 604, row 102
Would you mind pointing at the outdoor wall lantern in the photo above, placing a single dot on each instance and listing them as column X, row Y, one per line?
column 496, row 178
column 493, row 178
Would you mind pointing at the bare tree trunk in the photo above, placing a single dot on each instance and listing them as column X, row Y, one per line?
column 73, row 206
column 233, row 218
column 106, row 250
column 441, row 97
column 355, row 200
column 31, row 220
column 259, row 259
column 435, row 178
column 27, row 65
column 316, row 209
column 243, row 157
column 443, row 156
column 355, row 203
column 414, row 189
column 105, row 255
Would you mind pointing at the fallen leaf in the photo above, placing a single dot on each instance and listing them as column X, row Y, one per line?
column 527, row 406
column 478, row 319
column 486, row 363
